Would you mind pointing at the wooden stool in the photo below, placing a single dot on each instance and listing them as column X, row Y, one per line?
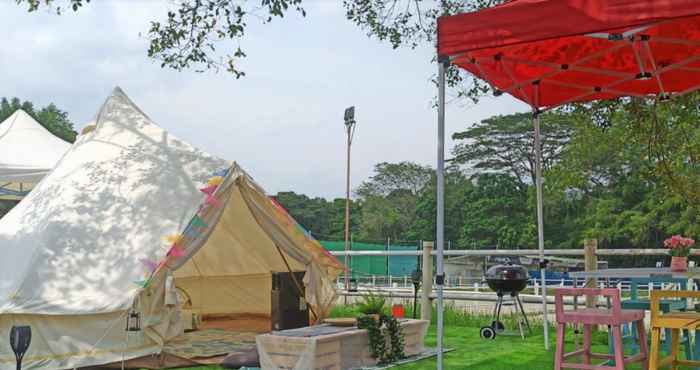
column 614, row 317
column 637, row 302
column 676, row 321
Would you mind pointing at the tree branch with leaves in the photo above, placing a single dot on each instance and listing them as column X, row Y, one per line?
column 192, row 35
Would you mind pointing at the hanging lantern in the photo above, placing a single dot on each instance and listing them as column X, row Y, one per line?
column 416, row 278
column 133, row 321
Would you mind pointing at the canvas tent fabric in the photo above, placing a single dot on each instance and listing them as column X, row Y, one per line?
column 584, row 51
column 87, row 245
column 28, row 152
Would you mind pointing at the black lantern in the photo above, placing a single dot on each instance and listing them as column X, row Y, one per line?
column 352, row 287
column 20, row 338
column 133, row 321
column 416, row 277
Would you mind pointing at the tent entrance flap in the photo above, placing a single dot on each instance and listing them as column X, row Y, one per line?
column 297, row 285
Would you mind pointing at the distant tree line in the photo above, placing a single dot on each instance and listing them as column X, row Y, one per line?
column 624, row 172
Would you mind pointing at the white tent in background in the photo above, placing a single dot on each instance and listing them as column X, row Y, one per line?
column 87, row 246
column 28, row 152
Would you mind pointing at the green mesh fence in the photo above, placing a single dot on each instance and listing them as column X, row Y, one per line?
column 403, row 265
column 375, row 265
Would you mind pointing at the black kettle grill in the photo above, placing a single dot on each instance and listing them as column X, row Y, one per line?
column 509, row 280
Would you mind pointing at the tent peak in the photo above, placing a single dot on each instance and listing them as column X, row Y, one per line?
column 120, row 98
column 19, row 113
column 117, row 90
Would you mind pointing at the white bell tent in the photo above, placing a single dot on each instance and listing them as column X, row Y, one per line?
column 28, row 152
column 129, row 210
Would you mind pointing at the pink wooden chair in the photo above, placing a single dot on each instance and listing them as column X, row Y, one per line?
column 613, row 317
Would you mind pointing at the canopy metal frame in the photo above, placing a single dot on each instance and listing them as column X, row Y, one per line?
column 649, row 68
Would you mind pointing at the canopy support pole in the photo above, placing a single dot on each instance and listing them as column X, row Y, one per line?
column 440, row 222
column 540, row 219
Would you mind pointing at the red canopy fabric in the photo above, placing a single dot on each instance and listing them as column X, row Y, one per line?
column 552, row 52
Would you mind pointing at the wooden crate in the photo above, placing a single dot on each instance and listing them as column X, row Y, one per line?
column 285, row 352
column 337, row 351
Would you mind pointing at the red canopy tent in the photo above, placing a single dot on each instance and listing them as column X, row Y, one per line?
column 548, row 53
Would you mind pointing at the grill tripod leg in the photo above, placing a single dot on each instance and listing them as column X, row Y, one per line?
column 516, row 313
column 522, row 310
column 499, row 304
column 495, row 310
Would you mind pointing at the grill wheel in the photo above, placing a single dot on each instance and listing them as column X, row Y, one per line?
column 487, row 332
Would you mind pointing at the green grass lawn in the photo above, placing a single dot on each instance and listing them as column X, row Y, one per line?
column 503, row 353
column 472, row 352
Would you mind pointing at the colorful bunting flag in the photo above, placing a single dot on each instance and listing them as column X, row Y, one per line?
column 141, row 283
column 221, row 173
column 198, row 223
column 209, row 190
column 151, row 265
column 215, row 181
column 176, row 251
column 212, row 201
column 191, row 232
column 173, row 239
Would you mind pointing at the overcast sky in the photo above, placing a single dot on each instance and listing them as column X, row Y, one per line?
column 282, row 122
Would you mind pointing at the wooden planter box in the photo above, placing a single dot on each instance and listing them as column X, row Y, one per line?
column 329, row 348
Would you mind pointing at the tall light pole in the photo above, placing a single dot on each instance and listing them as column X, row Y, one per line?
column 350, row 131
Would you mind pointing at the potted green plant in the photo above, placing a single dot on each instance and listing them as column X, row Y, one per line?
column 679, row 247
column 386, row 337
column 372, row 305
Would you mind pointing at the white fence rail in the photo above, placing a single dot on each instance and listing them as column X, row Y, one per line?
column 516, row 252
column 474, row 284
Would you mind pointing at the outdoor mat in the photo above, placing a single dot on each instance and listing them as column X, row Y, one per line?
column 209, row 343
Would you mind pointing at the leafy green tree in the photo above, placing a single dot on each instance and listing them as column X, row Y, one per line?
column 413, row 23
column 337, row 223
column 669, row 134
column 324, row 219
column 389, row 199
column 504, row 144
column 192, row 33
column 457, row 187
column 57, row 122
column 390, row 178
column 632, row 172
column 496, row 214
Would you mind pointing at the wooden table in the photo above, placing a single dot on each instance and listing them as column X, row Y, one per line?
column 329, row 347
column 629, row 273
column 644, row 272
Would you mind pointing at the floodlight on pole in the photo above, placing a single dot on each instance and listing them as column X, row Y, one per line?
column 349, row 119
